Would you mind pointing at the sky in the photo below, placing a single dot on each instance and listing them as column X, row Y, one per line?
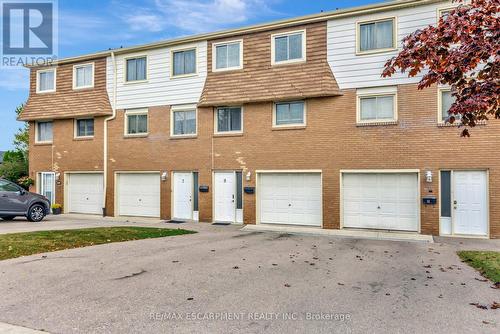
column 95, row 25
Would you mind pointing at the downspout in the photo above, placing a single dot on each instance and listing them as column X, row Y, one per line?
column 106, row 120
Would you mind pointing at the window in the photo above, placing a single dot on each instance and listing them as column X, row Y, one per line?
column 47, row 185
column 289, row 47
column 445, row 194
column 44, row 132
column 8, row 186
column 136, row 69
column 377, row 105
column 85, row 127
column 46, row 81
column 83, row 76
column 183, row 62
column 229, row 120
column 289, row 114
column 376, row 36
column 136, row 122
column 445, row 102
column 195, row 191
column 239, row 190
column 227, row 56
column 183, row 122
column 444, row 12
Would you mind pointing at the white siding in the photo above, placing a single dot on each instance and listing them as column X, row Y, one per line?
column 160, row 89
column 356, row 71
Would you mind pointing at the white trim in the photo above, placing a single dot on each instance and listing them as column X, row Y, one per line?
column 36, row 132
column 138, row 56
column 184, row 107
column 214, row 56
column 52, row 69
column 184, row 48
column 116, row 188
column 75, row 126
column 440, row 10
column 385, row 50
column 290, row 61
column 376, row 92
column 285, row 171
column 216, row 124
column 75, row 67
column 292, row 125
column 381, row 171
column 138, row 111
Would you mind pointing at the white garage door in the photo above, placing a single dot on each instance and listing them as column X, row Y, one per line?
column 290, row 198
column 139, row 194
column 386, row 201
column 85, row 193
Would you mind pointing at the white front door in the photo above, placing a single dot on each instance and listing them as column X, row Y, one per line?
column 470, row 203
column 225, row 197
column 386, row 201
column 138, row 194
column 290, row 198
column 48, row 186
column 183, row 195
column 85, row 193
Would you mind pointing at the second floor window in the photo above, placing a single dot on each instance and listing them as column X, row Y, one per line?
column 229, row 119
column 46, row 81
column 289, row 47
column 136, row 69
column 184, row 62
column 85, row 127
column 83, row 76
column 289, row 113
column 446, row 101
column 136, row 122
column 44, row 132
column 184, row 122
column 375, row 36
column 228, row 56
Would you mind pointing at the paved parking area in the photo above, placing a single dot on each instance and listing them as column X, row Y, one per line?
column 224, row 280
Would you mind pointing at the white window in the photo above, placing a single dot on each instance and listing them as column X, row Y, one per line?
column 136, row 69
column 377, row 105
column 84, row 127
column 183, row 121
column 227, row 56
column 289, row 114
column 376, row 36
column 184, row 62
column 444, row 12
column 43, row 132
column 46, row 81
column 229, row 119
column 288, row 47
column 136, row 122
column 445, row 102
column 83, row 76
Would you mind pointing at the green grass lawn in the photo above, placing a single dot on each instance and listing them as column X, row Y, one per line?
column 21, row 244
column 487, row 263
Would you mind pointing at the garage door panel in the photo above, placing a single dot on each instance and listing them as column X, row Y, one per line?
column 85, row 193
column 290, row 198
column 381, row 201
column 139, row 194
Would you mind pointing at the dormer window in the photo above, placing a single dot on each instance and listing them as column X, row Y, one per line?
column 83, row 76
column 46, row 81
column 289, row 47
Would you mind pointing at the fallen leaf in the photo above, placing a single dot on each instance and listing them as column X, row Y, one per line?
column 236, row 267
column 481, row 280
column 483, row 307
column 190, row 298
column 495, row 306
column 287, row 285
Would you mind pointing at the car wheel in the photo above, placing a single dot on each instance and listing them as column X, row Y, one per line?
column 8, row 217
column 36, row 213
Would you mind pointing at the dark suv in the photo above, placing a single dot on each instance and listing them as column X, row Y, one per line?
column 15, row 201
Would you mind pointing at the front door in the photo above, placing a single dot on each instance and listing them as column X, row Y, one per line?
column 470, row 203
column 47, row 186
column 225, row 193
column 183, row 195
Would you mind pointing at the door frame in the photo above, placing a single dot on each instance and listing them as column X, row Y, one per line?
column 452, row 185
column 67, row 176
column 39, row 185
column 285, row 171
column 233, row 171
column 172, row 197
column 382, row 171
column 116, row 211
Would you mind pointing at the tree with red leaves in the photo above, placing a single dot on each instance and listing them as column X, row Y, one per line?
column 463, row 52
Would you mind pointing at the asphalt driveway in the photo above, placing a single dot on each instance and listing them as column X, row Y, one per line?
column 223, row 280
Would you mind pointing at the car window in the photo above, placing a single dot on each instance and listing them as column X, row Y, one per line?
column 7, row 186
